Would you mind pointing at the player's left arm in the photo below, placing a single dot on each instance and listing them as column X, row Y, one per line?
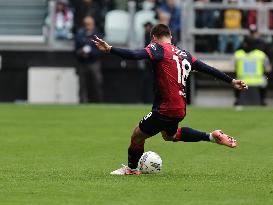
column 198, row 65
column 137, row 54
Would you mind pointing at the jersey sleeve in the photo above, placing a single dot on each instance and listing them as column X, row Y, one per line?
column 155, row 51
column 138, row 54
column 202, row 67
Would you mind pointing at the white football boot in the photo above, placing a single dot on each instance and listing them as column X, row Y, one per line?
column 125, row 170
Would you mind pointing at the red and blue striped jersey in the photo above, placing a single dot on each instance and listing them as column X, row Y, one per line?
column 171, row 67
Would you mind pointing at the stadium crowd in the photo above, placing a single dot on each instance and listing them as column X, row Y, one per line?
column 227, row 19
column 70, row 15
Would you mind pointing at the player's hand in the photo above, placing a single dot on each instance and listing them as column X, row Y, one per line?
column 101, row 44
column 239, row 84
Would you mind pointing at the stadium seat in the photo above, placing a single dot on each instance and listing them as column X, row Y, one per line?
column 117, row 27
column 141, row 18
column 19, row 17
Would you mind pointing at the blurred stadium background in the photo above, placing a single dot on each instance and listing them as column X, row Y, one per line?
column 38, row 62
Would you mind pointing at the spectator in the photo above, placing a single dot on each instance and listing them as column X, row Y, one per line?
column 252, row 17
column 232, row 20
column 147, row 36
column 206, row 17
column 258, row 42
column 87, row 8
column 250, row 65
column 164, row 17
column 63, row 20
column 252, row 14
column 174, row 11
column 89, row 67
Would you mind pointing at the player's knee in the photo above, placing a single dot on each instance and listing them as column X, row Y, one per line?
column 166, row 137
column 136, row 133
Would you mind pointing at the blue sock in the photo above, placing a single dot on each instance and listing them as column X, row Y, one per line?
column 187, row 134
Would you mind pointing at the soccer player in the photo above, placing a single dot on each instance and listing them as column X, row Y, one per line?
column 171, row 67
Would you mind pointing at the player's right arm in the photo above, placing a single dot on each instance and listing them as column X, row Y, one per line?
column 122, row 52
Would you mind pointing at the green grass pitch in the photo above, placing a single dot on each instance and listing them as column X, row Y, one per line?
column 64, row 154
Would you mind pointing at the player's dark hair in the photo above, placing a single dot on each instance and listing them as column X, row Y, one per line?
column 160, row 30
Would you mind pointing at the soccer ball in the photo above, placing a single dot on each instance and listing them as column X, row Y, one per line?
column 150, row 162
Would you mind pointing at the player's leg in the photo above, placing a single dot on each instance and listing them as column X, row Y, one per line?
column 136, row 148
column 148, row 126
column 169, row 131
column 173, row 133
column 135, row 151
column 187, row 134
